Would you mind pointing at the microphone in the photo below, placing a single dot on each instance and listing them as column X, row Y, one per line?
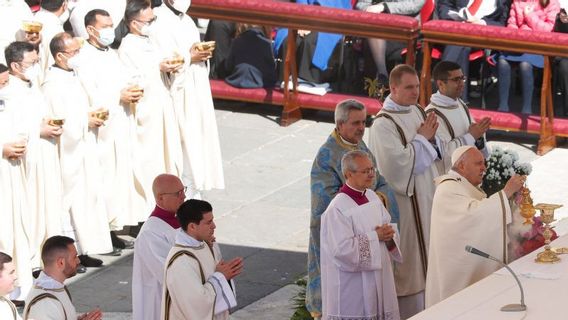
column 515, row 307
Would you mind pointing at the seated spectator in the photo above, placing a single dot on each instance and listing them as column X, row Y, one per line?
column 379, row 46
column 223, row 33
column 525, row 15
column 314, row 49
column 481, row 12
column 250, row 63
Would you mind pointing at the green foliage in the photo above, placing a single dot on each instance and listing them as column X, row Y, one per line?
column 299, row 303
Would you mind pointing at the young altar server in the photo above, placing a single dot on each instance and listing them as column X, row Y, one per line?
column 357, row 243
column 197, row 282
column 462, row 214
column 8, row 279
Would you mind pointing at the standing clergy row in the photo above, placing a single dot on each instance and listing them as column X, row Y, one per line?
column 83, row 139
column 412, row 146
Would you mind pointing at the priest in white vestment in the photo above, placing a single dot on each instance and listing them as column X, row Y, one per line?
column 8, row 279
column 12, row 14
column 152, row 246
column 42, row 167
column 357, row 243
column 14, row 207
column 80, row 9
column 463, row 215
column 456, row 127
column 197, row 282
column 176, row 36
column 403, row 140
column 107, row 84
column 52, row 15
column 49, row 298
column 157, row 147
column 80, row 172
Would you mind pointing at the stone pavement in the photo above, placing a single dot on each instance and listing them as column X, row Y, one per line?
column 262, row 215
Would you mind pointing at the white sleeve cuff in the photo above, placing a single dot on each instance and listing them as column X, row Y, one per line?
column 468, row 138
column 225, row 298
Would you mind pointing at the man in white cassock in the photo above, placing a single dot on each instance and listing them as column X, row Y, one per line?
column 50, row 299
column 12, row 14
column 42, row 167
column 462, row 215
column 14, row 207
column 157, row 147
column 456, row 127
column 152, row 246
column 8, row 310
column 403, row 140
column 176, row 36
column 107, row 85
column 115, row 8
column 197, row 282
column 357, row 243
column 52, row 15
column 85, row 216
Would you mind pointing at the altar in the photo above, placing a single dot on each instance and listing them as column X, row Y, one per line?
column 545, row 286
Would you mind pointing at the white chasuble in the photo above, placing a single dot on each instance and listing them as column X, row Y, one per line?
column 80, row 172
column 115, row 8
column 454, row 121
column 357, row 279
column 103, row 77
column 463, row 215
column 191, row 93
column 14, row 205
column 8, row 310
column 151, row 249
column 193, row 290
column 43, row 174
column 49, row 300
column 406, row 160
column 157, row 147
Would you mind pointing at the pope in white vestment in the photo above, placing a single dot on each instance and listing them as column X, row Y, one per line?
column 80, row 171
column 357, row 279
column 49, row 300
column 103, row 76
column 463, row 215
column 157, row 144
column 193, row 290
column 175, row 34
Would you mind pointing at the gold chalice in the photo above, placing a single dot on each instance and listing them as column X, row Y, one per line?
column 102, row 115
column 547, row 217
column 32, row 26
column 527, row 209
column 58, row 122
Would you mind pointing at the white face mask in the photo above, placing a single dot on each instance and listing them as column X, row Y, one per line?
column 146, row 29
column 181, row 5
column 64, row 16
column 106, row 36
column 32, row 72
column 73, row 62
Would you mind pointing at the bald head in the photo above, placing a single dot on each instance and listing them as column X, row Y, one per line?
column 168, row 192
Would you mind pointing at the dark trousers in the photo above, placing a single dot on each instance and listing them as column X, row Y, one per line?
column 562, row 76
column 222, row 33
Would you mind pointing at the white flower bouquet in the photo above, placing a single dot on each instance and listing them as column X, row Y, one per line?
column 502, row 165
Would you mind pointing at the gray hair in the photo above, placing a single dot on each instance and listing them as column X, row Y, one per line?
column 348, row 160
column 344, row 107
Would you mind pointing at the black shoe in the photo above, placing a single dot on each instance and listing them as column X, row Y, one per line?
column 81, row 269
column 120, row 243
column 90, row 262
column 116, row 252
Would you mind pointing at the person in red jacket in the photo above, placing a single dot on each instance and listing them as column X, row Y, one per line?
column 537, row 15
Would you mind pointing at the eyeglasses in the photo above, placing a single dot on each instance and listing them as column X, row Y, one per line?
column 456, row 79
column 149, row 22
column 367, row 171
column 176, row 193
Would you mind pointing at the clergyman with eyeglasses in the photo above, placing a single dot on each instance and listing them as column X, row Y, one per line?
column 456, row 127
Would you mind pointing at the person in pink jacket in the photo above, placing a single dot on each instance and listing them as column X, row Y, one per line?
column 537, row 15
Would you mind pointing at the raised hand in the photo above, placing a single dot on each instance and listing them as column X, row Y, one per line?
column 230, row 269
column 429, row 126
column 478, row 129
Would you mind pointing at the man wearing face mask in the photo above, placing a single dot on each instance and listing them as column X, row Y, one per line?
column 115, row 9
column 52, row 15
column 157, row 147
column 177, row 36
column 107, row 84
column 85, row 216
column 35, row 130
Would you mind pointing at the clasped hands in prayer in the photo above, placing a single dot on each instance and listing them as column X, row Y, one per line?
column 477, row 130
column 91, row 315
column 230, row 269
column 385, row 232
column 429, row 127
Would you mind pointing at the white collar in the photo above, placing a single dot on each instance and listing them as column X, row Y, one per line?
column 443, row 101
column 46, row 282
column 390, row 105
column 184, row 239
column 346, row 142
